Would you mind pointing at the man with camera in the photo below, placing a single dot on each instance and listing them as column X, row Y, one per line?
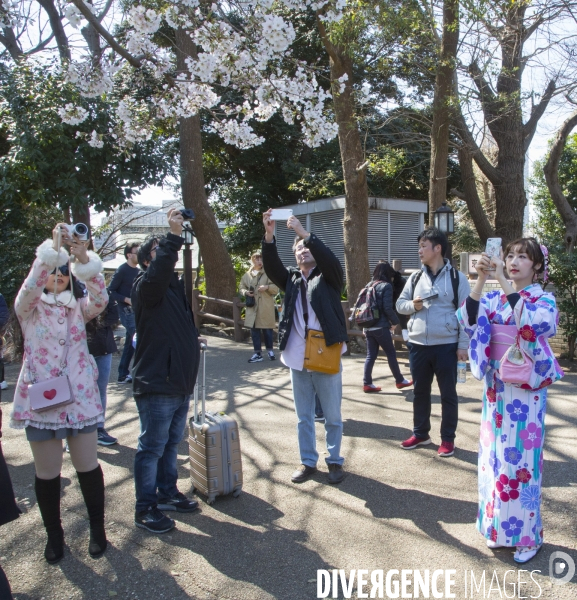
column 431, row 297
column 119, row 290
column 165, row 369
column 312, row 302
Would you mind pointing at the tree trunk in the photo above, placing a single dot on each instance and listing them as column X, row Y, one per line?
column 442, row 107
column 356, row 219
column 218, row 268
column 471, row 196
column 551, row 171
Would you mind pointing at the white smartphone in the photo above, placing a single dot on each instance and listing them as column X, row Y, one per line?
column 493, row 248
column 281, row 214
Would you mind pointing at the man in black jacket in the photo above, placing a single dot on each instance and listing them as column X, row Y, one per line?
column 320, row 277
column 165, row 369
column 120, row 288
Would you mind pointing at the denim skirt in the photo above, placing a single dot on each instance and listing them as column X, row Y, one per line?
column 33, row 434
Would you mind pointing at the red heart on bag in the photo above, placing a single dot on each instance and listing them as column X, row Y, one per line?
column 49, row 394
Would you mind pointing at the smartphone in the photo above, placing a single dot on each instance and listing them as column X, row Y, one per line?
column 493, row 248
column 281, row 214
column 431, row 297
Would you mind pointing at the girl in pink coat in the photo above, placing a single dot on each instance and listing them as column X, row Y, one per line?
column 51, row 308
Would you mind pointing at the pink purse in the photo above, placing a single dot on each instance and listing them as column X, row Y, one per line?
column 55, row 392
column 516, row 365
column 50, row 394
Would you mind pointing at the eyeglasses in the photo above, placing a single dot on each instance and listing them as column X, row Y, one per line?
column 63, row 270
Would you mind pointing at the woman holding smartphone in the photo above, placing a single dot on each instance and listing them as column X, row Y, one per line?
column 513, row 416
column 52, row 311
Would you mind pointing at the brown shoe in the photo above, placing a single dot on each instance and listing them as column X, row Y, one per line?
column 303, row 473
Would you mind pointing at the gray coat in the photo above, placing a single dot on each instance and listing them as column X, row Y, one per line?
column 438, row 323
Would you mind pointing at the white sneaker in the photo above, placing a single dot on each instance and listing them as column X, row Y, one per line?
column 3, row 385
column 524, row 554
column 256, row 357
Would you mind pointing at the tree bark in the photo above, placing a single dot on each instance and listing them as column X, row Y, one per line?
column 356, row 218
column 551, row 171
column 504, row 118
column 471, row 196
column 218, row 268
column 442, row 107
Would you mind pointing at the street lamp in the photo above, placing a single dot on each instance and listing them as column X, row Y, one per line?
column 444, row 219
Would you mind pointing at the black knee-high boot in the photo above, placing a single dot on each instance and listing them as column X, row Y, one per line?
column 92, row 486
column 48, row 497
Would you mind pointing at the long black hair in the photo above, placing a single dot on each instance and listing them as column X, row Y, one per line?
column 384, row 272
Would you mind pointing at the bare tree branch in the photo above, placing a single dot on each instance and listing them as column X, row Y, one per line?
column 57, row 27
column 536, row 113
column 551, row 171
column 9, row 41
column 471, row 195
column 93, row 20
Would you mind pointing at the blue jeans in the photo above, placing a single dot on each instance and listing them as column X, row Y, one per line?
column 375, row 338
column 427, row 362
column 329, row 389
column 127, row 320
column 104, row 363
column 162, row 423
column 256, row 339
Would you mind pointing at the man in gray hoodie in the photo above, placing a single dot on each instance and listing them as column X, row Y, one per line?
column 436, row 342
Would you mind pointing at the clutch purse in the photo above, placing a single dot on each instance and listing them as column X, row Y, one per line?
column 516, row 366
column 320, row 357
column 50, row 394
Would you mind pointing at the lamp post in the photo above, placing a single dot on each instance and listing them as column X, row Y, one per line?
column 444, row 219
column 188, row 236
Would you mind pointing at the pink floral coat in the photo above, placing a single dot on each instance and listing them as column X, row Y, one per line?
column 44, row 328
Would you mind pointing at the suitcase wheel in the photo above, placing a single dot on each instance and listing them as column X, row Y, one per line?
column 237, row 492
column 211, row 499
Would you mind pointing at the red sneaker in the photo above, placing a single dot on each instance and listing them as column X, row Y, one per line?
column 405, row 383
column 415, row 441
column 369, row 389
column 446, row 449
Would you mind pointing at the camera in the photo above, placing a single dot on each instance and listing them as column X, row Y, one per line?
column 80, row 230
column 187, row 214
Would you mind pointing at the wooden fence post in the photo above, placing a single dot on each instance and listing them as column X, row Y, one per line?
column 464, row 263
column 236, row 306
column 196, row 308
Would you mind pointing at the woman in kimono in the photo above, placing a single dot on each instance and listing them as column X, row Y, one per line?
column 513, row 416
column 51, row 309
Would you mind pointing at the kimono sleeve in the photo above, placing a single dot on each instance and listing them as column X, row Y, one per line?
column 537, row 320
column 479, row 333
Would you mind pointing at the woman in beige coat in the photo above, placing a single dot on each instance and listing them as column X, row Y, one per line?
column 255, row 284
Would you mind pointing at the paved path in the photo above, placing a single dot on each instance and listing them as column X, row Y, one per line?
column 395, row 510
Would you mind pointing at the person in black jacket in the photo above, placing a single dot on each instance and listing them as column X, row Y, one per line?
column 120, row 288
column 9, row 510
column 165, row 368
column 101, row 344
column 381, row 333
column 4, row 317
column 320, row 275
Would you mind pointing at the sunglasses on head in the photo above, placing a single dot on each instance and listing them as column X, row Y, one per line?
column 63, row 270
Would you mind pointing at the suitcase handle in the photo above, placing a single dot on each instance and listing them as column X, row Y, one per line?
column 203, row 386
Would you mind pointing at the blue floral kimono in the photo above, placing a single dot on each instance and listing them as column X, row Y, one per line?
column 513, row 417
